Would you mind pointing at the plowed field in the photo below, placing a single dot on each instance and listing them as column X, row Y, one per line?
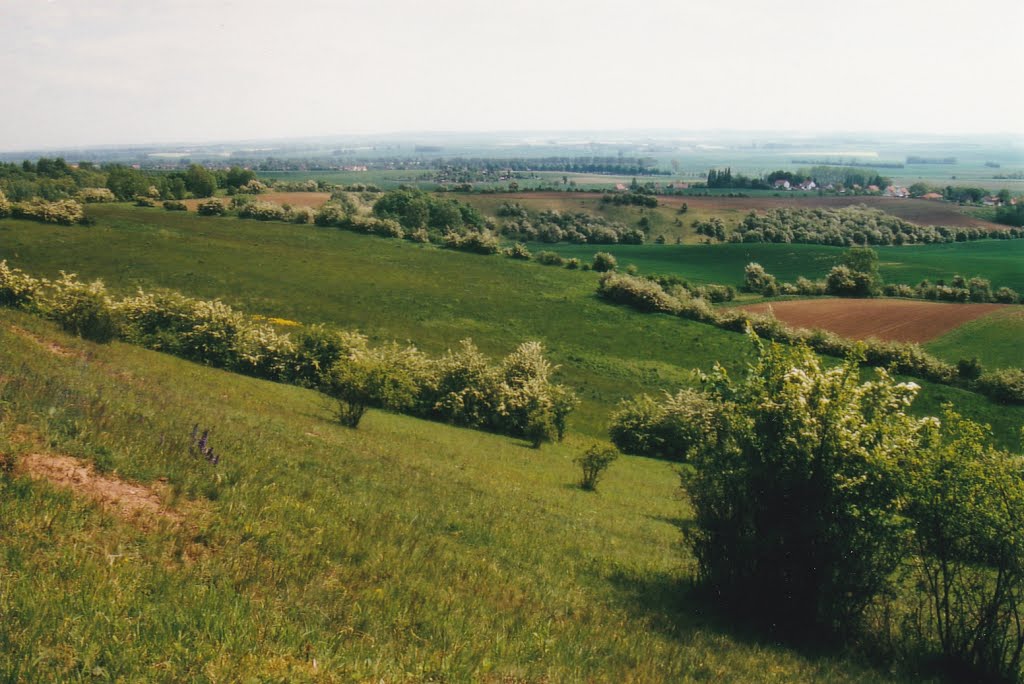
column 898, row 320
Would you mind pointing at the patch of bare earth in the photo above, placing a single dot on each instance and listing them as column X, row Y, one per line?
column 895, row 320
column 135, row 503
column 48, row 345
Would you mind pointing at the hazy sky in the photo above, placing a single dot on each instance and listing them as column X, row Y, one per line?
column 75, row 72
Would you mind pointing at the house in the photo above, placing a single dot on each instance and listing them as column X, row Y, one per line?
column 896, row 191
column 991, row 201
column 620, row 187
column 782, row 184
column 680, row 186
column 931, row 196
column 873, row 188
column 808, row 185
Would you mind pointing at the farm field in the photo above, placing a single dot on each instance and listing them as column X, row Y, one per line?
column 995, row 339
column 402, row 551
column 393, row 290
column 895, row 320
column 1001, row 261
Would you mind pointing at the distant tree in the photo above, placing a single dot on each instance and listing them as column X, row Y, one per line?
column 199, row 181
column 236, row 177
column 125, row 183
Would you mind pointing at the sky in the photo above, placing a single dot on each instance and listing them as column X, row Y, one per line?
column 76, row 73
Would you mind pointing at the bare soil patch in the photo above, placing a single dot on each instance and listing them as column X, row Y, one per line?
column 896, row 320
column 48, row 345
column 136, row 503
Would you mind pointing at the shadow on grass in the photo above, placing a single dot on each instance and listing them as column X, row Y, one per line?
column 671, row 603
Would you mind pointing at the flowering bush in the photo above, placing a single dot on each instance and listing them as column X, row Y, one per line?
column 82, row 309
column 17, row 288
column 90, row 195
column 64, row 212
column 210, row 207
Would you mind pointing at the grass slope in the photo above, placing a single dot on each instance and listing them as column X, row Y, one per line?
column 403, row 551
column 393, row 290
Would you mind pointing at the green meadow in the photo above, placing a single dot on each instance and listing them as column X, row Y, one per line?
column 395, row 290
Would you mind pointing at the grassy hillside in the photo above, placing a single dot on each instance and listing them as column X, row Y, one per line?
column 391, row 289
column 404, row 551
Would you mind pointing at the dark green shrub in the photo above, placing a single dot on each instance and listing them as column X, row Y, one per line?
column 594, row 462
column 796, row 490
column 969, row 369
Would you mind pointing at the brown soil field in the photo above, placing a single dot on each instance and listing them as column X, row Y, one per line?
column 921, row 212
column 296, row 199
column 898, row 320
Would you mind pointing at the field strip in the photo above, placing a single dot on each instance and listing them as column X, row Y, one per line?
column 894, row 320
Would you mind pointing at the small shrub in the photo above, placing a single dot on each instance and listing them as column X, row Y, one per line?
column 550, row 259
column 604, row 262
column 572, row 263
column 594, row 462
column 175, row 205
column 969, row 369
column 518, row 251
column 210, row 207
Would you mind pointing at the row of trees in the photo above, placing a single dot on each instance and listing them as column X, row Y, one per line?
column 858, row 225
column 823, row 509
column 516, row 396
column 554, row 226
column 857, row 276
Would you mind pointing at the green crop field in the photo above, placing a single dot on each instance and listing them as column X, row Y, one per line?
column 995, row 340
column 1001, row 261
column 394, row 290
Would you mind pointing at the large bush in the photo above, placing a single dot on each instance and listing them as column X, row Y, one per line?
column 81, row 309
column 966, row 503
column 795, row 486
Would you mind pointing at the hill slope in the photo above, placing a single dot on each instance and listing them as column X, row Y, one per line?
column 404, row 551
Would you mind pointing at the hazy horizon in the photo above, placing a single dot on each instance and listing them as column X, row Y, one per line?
column 117, row 73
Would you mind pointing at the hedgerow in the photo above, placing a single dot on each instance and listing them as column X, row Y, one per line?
column 646, row 295
column 854, row 225
column 515, row 396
